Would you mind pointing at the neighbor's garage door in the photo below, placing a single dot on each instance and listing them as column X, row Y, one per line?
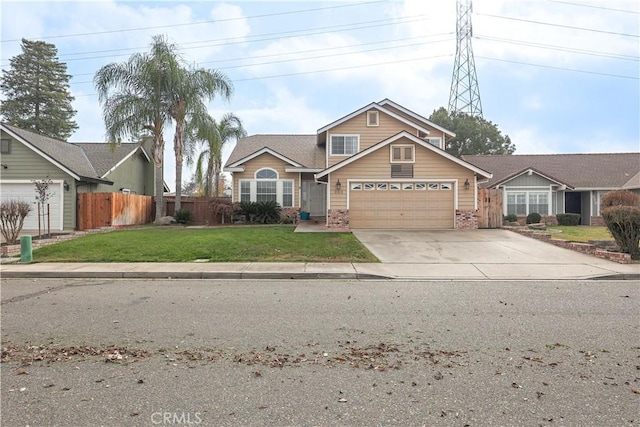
column 401, row 205
column 27, row 193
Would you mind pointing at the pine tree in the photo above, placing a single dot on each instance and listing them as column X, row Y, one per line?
column 36, row 91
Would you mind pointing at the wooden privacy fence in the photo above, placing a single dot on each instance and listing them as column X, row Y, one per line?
column 489, row 208
column 96, row 210
column 203, row 209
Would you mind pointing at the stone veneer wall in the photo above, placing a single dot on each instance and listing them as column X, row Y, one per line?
column 597, row 220
column 338, row 218
column 546, row 219
column 466, row 220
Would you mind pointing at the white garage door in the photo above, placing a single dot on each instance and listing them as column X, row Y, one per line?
column 26, row 191
column 418, row 205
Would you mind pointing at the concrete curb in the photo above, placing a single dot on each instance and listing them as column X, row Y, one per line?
column 188, row 275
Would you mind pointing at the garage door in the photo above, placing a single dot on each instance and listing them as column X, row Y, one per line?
column 417, row 205
column 27, row 192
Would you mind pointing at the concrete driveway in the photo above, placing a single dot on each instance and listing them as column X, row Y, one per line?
column 496, row 254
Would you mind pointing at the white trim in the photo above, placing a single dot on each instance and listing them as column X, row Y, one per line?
column 413, row 153
column 377, row 116
column 379, row 108
column 302, row 170
column 453, row 181
column 41, row 153
column 127, row 157
column 475, row 192
column 415, row 116
column 529, row 172
column 403, row 134
column 236, row 169
column 260, row 152
column 345, row 135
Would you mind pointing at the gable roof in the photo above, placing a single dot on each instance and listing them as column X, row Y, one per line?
column 413, row 138
column 580, row 171
column 417, row 121
column 294, row 149
column 532, row 171
column 105, row 157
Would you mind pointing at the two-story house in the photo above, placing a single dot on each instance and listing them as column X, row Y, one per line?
column 381, row 166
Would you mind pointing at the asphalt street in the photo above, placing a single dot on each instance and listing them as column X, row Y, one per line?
column 113, row 352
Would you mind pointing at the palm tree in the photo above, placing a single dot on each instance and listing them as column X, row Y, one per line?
column 212, row 137
column 194, row 87
column 135, row 97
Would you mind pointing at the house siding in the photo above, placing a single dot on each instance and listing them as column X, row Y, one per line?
column 528, row 181
column 25, row 164
column 369, row 135
column 428, row 166
column 266, row 160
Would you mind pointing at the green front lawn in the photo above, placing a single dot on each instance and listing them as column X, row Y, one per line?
column 581, row 233
column 222, row 244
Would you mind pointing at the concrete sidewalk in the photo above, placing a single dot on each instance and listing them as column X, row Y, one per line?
column 598, row 269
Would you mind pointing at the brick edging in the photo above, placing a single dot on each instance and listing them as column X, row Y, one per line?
column 585, row 248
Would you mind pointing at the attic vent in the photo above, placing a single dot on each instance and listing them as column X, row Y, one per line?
column 372, row 118
column 402, row 171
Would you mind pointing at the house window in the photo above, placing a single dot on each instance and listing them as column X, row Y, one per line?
column 435, row 141
column 517, row 203
column 394, row 186
column 525, row 202
column 421, row 186
column 596, row 197
column 266, row 191
column 539, row 203
column 407, row 186
column 356, row 186
column 266, row 187
column 433, row 186
column 266, row 174
column 369, row 186
column 445, row 186
column 5, row 146
column 344, row 145
column 402, row 153
column 287, row 193
column 245, row 191
column 372, row 118
column 382, row 186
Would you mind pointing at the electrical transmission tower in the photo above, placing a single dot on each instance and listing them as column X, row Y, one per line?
column 465, row 95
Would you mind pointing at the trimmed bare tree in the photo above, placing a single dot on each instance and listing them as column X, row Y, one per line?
column 12, row 215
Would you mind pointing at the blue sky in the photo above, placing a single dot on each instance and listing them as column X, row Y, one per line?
column 557, row 76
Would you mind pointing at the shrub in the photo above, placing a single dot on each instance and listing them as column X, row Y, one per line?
column 534, row 218
column 568, row 219
column 619, row 198
column 12, row 215
column 624, row 224
column 183, row 216
column 248, row 210
column 511, row 218
column 224, row 207
column 267, row 212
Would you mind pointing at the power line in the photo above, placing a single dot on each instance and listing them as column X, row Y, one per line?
column 332, row 55
column 327, row 70
column 562, row 68
column 596, row 7
column 268, row 36
column 332, row 48
column 562, row 49
column 559, row 25
column 203, row 22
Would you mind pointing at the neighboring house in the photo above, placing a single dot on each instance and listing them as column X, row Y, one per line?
column 73, row 168
column 381, row 166
column 559, row 183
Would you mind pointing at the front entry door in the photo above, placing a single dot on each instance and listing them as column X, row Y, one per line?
column 314, row 198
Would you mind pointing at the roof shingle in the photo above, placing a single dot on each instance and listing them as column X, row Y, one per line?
column 581, row 171
column 299, row 148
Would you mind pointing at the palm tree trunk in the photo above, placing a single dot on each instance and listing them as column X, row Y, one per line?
column 216, row 177
column 178, row 148
column 210, row 175
column 158, row 153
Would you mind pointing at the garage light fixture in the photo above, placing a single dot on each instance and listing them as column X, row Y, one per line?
column 466, row 184
column 338, row 185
